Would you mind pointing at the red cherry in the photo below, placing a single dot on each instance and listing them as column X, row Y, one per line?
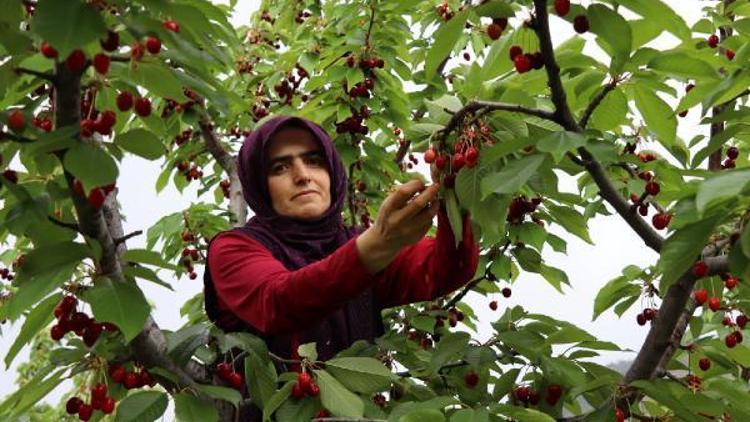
column 619, row 415
column 101, row 63
column 223, row 370
column 730, row 283
column 131, row 380
column 72, row 405
column 85, row 411
column 76, row 61
column 235, row 380
column 108, row 406
column 441, row 161
column 16, row 120
column 733, row 153
column 99, row 391
column 700, row 296
column 522, row 394
column 713, row 40
column 458, row 161
column 137, row 50
column 48, row 51
column 515, row 51
column 660, row 221
column 304, row 379
column 46, row 125
column 506, row 292
column 145, row 378
column 581, row 24
column 742, row 321
column 493, row 305
column 700, row 269
column 56, row 332
column 502, row 21
column 562, row 7
column 472, row 155
column 171, row 26
column 522, row 63
column 143, row 107
column 704, row 364
column 729, row 53
column 153, row 45
column 91, row 333
column 554, row 390
column 653, row 188
column 730, row 340
column 117, row 373
column 640, row 319
column 429, row 156
column 11, row 175
column 649, row 314
column 96, row 198
column 471, row 379
column 714, row 303
column 297, row 391
column 314, row 390
column 112, row 42
column 322, row 414
column 494, row 31
column 124, row 101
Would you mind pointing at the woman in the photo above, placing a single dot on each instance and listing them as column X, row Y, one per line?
column 295, row 274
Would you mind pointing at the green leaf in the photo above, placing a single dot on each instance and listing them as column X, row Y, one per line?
column 571, row 221
column 659, row 117
column 191, row 408
column 681, row 65
column 46, row 258
column 514, row 175
column 521, row 414
column 361, row 374
column 275, row 401
column 569, row 334
column 158, row 79
column 32, row 392
column 121, row 303
column 142, row 406
column 611, row 113
column 611, row 293
column 614, row 30
column 182, row 343
column 559, row 142
column 745, row 241
column 336, row 398
column 145, row 256
column 663, row 392
column 420, row 415
column 67, row 24
column 221, row 393
column 721, row 187
column 454, row 216
column 141, row 142
column 682, row 248
column 308, row 350
column 445, row 38
column 657, row 11
column 260, row 378
column 35, row 321
column 91, row 165
column 451, row 346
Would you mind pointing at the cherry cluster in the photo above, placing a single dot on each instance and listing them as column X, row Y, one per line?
column 305, row 386
column 496, row 28
column 465, row 153
column 190, row 171
column 125, row 102
column 183, row 137
column 520, row 206
column 525, row 62
column 189, row 255
column 43, row 123
column 648, row 314
column 700, row 269
column 444, row 11
column 379, row 400
column 260, row 110
column 417, row 336
column 99, row 401
column 131, row 379
column 16, row 121
column 5, row 274
column 225, row 185
column 288, row 87
column 11, row 176
column 301, row 16
column 103, row 123
column 96, row 196
column 529, row 396
column 713, row 42
column 732, row 154
column 354, row 123
column 70, row 320
column 228, row 375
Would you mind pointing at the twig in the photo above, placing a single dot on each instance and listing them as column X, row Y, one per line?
column 369, row 28
column 469, row 286
column 6, row 136
column 447, row 366
column 46, row 76
column 279, row 359
column 596, row 101
column 60, row 223
column 127, row 236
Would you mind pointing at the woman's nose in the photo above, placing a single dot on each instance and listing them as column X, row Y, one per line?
column 301, row 172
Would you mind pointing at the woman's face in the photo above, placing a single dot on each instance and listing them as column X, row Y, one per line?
column 298, row 179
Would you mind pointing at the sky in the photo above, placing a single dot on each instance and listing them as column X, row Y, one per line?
column 588, row 267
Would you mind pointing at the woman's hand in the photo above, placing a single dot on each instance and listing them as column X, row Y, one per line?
column 403, row 219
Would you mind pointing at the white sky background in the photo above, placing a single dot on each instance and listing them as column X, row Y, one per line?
column 588, row 267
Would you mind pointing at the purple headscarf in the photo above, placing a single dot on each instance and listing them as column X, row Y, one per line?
column 294, row 242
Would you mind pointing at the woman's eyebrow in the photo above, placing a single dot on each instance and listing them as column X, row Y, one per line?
column 285, row 158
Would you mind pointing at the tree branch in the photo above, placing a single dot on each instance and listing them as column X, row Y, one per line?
column 596, row 101
column 7, row 136
column 60, row 223
column 46, row 76
column 127, row 236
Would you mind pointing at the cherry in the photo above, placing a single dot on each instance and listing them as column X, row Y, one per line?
column 522, row 394
column 643, row 209
column 472, row 155
column 322, row 413
column 515, row 51
column 660, row 221
column 713, row 40
column 131, row 380
column 96, row 198
column 91, row 333
column 733, row 153
column 99, row 391
column 108, row 406
column 124, row 101
column 730, row 340
column 379, row 400
column 554, row 390
column 729, row 53
column 46, row 125
column 653, row 188
column 471, row 379
column 136, row 50
column 117, row 373
column 361, row 186
column 76, row 61
column 171, row 26
column 493, row 305
column 581, row 24
column 537, row 60
column 562, row 7
column 16, row 120
column 297, row 391
column 458, row 161
column 522, row 63
column 304, row 379
column 11, row 175
column 506, row 292
column 640, row 319
column 502, row 21
column 441, row 161
column 649, row 314
column 235, row 380
column 72, row 405
column 143, row 106
column 700, row 269
column 48, row 51
column 314, row 390
column 85, row 411
column 534, row 397
column 56, row 332
column 700, row 296
column 619, row 415
column 704, row 364
column 730, row 282
column 714, row 303
column 494, row 31
column 430, row 155
column 112, row 42
column 145, row 378
column 741, row 321
column 224, row 369
column 101, row 63
column 153, row 45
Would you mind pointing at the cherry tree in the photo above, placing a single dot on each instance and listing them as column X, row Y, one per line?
column 85, row 83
